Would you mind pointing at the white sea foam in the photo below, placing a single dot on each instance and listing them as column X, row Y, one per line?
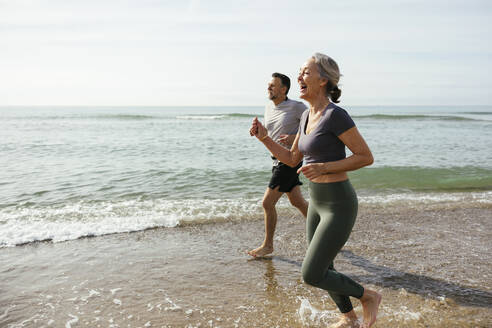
column 201, row 117
column 72, row 221
column 310, row 315
column 71, row 322
column 20, row 225
column 173, row 306
column 4, row 315
column 427, row 198
column 113, row 291
column 405, row 314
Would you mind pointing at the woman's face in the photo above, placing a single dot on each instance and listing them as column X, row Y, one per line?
column 310, row 81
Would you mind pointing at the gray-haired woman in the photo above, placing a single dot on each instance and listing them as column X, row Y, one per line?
column 324, row 131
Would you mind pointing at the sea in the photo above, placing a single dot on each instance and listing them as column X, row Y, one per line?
column 70, row 172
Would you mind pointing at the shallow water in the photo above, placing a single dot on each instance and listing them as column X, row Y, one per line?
column 432, row 267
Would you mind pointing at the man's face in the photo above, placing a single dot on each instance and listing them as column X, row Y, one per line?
column 275, row 88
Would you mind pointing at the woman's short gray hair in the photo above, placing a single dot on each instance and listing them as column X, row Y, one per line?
column 328, row 69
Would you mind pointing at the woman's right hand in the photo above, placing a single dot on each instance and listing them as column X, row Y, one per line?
column 257, row 129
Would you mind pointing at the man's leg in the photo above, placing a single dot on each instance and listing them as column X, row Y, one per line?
column 270, row 199
column 296, row 199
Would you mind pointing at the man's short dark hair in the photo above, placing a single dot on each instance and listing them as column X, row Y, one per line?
column 284, row 79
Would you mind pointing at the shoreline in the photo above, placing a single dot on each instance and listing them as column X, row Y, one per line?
column 431, row 265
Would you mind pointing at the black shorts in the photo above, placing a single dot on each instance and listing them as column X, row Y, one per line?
column 285, row 177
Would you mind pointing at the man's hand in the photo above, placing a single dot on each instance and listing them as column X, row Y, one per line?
column 287, row 139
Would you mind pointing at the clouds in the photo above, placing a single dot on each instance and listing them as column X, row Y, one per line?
column 223, row 52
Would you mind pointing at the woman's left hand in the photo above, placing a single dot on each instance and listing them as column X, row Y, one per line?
column 312, row 171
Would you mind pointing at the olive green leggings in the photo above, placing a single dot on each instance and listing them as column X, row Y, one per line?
column 331, row 216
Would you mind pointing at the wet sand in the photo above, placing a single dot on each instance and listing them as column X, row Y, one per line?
column 433, row 267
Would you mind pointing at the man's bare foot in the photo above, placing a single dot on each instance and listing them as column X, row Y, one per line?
column 370, row 304
column 261, row 251
column 347, row 323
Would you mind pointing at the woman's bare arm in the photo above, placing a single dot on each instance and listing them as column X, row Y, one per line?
column 290, row 157
column 361, row 156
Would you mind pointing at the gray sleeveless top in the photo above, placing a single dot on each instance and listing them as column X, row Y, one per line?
column 322, row 144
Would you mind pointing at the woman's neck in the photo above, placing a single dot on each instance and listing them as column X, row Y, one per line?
column 319, row 104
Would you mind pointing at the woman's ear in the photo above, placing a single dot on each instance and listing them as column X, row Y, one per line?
column 323, row 82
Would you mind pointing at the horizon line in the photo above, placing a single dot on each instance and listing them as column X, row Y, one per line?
column 261, row 105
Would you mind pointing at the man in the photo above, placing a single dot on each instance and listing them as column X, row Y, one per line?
column 282, row 117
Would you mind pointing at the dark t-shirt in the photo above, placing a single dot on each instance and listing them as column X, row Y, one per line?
column 322, row 144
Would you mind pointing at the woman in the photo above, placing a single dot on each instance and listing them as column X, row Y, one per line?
column 324, row 131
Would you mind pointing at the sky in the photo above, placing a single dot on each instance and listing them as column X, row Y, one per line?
column 223, row 52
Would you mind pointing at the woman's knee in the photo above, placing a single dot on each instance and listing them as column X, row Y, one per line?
column 311, row 275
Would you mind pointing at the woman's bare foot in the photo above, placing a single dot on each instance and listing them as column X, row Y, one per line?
column 346, row 322
column 370, row 304
column 261, row 251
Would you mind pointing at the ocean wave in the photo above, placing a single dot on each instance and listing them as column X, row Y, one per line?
column 125, row 117
column 215, row 116
column 477, row 113
column 419, row 117
column 28, row 223
column 223, row 183
column 461, row 116
column 135, row 117
column 411, row 199
column 31, row 223
column 426, row 179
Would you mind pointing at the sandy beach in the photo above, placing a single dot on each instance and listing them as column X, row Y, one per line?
column 199, row 275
